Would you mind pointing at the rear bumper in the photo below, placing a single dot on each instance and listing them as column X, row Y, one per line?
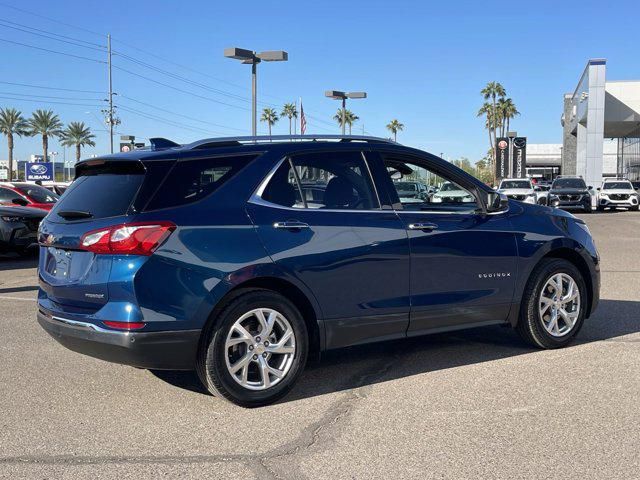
column 167, row 350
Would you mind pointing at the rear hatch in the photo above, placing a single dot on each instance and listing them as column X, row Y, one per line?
column 105, row 193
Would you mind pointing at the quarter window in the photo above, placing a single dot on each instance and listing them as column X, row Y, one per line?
column 327, row 180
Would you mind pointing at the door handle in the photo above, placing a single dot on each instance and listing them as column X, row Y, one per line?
column 291, row 225
column 423, row 226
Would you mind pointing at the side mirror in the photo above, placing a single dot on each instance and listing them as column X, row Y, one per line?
column 598, row 188
column 20, row 201
column 590, row 187
column 497, row 202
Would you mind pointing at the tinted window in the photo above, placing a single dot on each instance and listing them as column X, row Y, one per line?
column 37, row 193
column 7, row 195
column 442, row 194
column 515, row 184
column 335, row 180
column 102, row 195
column 569, row 183
column 193, row 180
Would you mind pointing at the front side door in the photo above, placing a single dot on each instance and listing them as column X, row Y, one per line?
column 463, row 262
column 321, row 219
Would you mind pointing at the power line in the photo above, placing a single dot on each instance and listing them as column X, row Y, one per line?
column 180, row 114
column 50, row 88
column 50, row 35
column 52, row 102
column 51, row 51
column 51, row 19
column 168, row 122
column 179, row 89
column 49, row 96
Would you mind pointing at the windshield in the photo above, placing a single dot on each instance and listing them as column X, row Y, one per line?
column 569, row 183
column 449, row 187
column 37, row 193
column 407, row 186
column 617, row 186
column 515, row 184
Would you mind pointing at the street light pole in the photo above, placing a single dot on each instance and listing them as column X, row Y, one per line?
column 338, row 95
column 110, row 116
column 253, row 58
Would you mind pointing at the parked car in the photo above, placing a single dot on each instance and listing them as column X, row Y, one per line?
column 56, row 187
column 520, row 189
column 18, row 228
column 572, row 193
column 204, row 256
column 450, row 192
column 617, row 193
column 411, row 191
column 27, row 195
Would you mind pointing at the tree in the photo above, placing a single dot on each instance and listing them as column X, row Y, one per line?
column 507, row 110
column 290, row 111
column 270, row 116
column 349, row 118
column 492, row 91
column 47, row 124
column 12, row 123
column 394, row 126
column 78, row 135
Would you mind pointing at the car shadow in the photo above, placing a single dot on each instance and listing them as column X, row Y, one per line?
column 13, row 261
column 354, row 367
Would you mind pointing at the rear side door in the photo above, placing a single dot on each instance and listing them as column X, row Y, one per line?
column 321, row 219
column 463, row 262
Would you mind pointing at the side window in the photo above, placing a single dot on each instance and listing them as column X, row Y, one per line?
column 7, row 196
column 193, row 180
column 420, row 189
column 327, row 180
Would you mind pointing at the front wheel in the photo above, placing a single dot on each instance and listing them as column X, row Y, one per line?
column 554, row 304
column 635, row 208
column 256, row 350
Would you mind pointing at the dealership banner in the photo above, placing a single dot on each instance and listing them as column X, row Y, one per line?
column 519, row 152
column 502, row 158
column 38, row 171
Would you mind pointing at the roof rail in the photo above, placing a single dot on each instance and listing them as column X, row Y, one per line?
column 227, row 141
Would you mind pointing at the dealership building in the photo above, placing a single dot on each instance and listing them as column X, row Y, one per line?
column 601, row 127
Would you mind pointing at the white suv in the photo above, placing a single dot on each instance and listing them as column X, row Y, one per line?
column 518, row 189
column 617, row 193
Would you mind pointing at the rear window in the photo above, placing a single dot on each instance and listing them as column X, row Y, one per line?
column 193, row 180
column 103, row 192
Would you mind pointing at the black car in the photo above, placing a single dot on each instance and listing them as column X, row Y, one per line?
column 572, row 193
column 19, row 228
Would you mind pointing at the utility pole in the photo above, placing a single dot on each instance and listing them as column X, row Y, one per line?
column 110, row 114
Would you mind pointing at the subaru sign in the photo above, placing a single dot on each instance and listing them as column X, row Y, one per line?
column 38, row 171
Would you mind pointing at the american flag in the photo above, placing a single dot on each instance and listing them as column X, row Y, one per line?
column 303, row 120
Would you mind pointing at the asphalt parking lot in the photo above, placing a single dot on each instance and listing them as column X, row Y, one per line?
column 473, row 404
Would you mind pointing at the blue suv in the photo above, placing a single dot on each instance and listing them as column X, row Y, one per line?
column 242, row 257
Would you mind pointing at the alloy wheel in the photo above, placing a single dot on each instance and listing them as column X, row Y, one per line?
column 559, row 304
column 260, row 348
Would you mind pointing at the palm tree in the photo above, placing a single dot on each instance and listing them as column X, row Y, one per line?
column 78, row 135
column 349, row 118
column 47, row 124
column 492, row 91
column 487, row 111
column 12, row 123
column 338, row 117
column 508, row 111
column 270, row 116
column 394, row 126
column 290, row 111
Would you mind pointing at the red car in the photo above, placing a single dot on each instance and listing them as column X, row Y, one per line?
column 27, row 195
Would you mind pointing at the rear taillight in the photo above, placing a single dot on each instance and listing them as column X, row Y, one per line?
column 127, row 239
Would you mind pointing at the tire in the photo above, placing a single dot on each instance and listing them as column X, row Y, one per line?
column 635, row 208
column 588, row 208
column 217, row 357
column 600, row 209
column 531, row 325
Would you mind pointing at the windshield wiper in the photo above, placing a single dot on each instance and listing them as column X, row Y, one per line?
column 71, row 214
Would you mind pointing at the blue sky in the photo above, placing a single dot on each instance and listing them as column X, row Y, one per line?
column 421, row 62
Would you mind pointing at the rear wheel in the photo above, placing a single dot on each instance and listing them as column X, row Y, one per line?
column 554, row 304
column 256, row 351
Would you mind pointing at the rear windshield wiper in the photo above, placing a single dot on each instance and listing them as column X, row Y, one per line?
column 72, row 214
